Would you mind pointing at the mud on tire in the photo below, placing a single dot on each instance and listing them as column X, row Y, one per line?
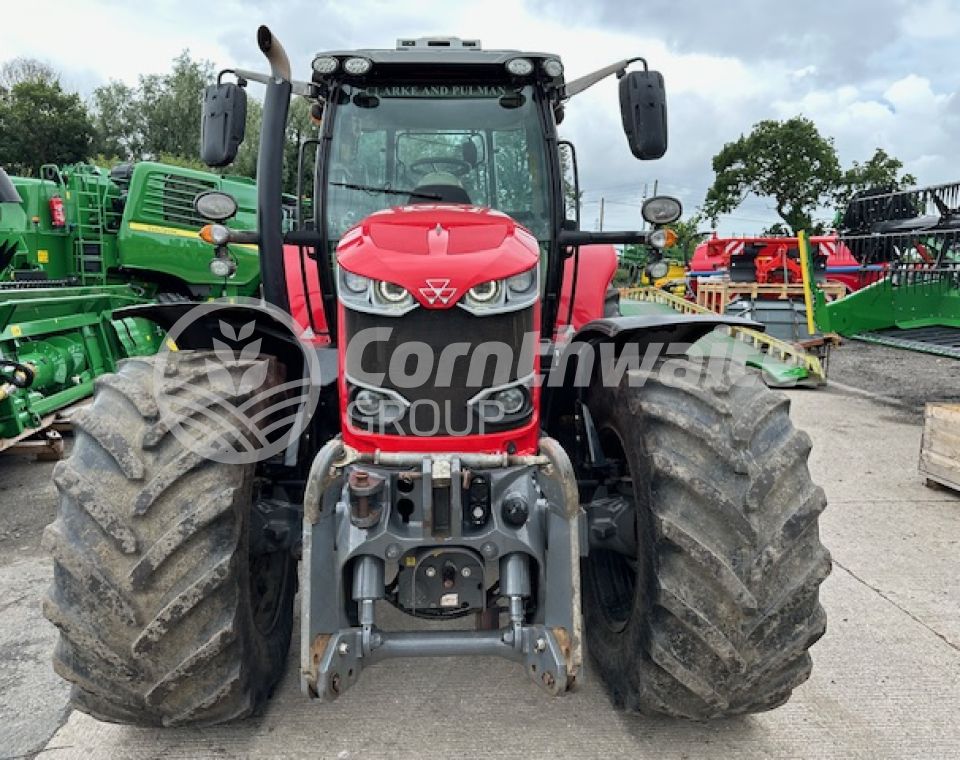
column 716, row 614
column 164, row 617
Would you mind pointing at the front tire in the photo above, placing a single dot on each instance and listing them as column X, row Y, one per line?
column 165, row 617
column 715, row 615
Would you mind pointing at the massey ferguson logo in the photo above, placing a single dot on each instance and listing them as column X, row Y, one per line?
column 438, row 290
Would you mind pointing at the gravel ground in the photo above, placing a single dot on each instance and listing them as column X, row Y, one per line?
column 909, row 377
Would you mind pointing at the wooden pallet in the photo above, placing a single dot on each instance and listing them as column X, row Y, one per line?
column 717, row 294
column 42, row 442
column 940, row 446
column 45, row 442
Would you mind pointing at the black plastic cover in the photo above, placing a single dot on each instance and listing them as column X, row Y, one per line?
column 224, row 122
column 8, row 193
column 643, row 107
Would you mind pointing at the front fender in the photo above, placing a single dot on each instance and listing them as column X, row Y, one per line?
column 674, row 333
column 681, row 329
column 277, row 338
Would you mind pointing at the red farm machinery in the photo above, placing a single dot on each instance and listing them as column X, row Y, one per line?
column 476, row 440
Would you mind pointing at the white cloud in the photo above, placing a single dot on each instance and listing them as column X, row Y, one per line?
column 936, row 19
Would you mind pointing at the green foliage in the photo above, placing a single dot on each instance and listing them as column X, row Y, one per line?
column 118, row 121
column 777, row 230
column 159, row 119
column 170, row 104
column 299, row 127
column 792, row 163
column 689, row 236
column 40, row 123
column 881, row 170
column 788, row 161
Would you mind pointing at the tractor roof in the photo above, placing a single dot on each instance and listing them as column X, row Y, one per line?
column 436, row 51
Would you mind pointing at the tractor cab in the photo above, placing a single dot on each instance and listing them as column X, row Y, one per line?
column 464, row 130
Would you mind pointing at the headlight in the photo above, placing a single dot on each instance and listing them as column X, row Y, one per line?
column 520, row 67
column 357, row 66
column 552, row 68
column 661, row 209
column 484, row 293
column 373, row 296
column 493, row 404
column 658, row 269
column 222, row 267
column 325, row 64
column 378, row 406
column 392, row 294
column 356, row 283
column 498, row 296
column 511, row 400
column 522, row 283
column 662, row 238
column 368, row 402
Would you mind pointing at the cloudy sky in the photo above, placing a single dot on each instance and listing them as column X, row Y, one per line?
column 870, row 73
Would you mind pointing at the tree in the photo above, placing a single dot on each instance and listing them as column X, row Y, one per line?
column 118, row 121
column 789, row 161
column 689, row 236
column 881, row 170
column 170, row 104
column 19, row 70
column 299, row 127
column 39, row 124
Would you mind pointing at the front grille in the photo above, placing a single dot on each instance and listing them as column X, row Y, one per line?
column 170, row 197
column 494, row 364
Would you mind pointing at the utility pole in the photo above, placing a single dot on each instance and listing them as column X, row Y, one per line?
column 601, row 213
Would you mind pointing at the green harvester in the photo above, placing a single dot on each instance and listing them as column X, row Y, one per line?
column 78, row 243
column 908, row 244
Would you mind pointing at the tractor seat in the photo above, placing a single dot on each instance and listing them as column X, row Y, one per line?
column 445, row 186
column 445, row 194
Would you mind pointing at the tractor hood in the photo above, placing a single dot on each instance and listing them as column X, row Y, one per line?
column 425, row 247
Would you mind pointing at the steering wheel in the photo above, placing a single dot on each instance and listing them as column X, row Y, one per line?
column 423, row 166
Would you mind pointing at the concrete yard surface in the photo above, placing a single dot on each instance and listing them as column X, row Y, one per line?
column 885, row 684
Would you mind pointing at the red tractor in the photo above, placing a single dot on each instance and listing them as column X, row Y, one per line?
column 475, row 436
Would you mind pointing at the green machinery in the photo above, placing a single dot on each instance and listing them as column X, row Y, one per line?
column 78, row 243
column 908, row 245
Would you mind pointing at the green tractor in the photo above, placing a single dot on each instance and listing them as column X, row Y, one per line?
column 79, row 242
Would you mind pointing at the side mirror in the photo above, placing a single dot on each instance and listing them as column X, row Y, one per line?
column 570, row 177
column 224, row 123
column 643, row 106
column 215, row 206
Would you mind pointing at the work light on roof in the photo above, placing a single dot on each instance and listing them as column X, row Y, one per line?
column 520, row 67
column 552, row 68
column 325, row 64
column 357, row 66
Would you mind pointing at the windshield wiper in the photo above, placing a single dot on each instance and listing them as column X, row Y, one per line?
column 388, row 191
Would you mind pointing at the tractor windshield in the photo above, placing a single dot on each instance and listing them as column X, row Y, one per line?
column 402, row 144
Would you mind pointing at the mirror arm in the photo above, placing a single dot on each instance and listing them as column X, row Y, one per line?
column 571, row 238
column 304, row 89
column 579, row 85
